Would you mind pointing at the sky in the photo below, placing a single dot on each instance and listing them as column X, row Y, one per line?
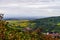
column 30, row 8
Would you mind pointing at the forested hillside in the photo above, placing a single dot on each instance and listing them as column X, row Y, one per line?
column 48, row 24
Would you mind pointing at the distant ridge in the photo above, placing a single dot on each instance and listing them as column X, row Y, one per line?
column 48, row 24
column 23, row 18
column 31, row 18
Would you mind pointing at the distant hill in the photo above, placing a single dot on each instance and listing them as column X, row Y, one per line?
column 23, row 18
column 48, row 24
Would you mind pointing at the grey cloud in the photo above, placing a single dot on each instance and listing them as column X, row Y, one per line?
column 51, row 7
column 8, row 1
column 26, row 11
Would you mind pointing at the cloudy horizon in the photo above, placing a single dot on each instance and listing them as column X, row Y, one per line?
column 30, row 8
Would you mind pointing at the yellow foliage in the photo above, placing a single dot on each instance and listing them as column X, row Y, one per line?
column 58, row 24
column 25, row 24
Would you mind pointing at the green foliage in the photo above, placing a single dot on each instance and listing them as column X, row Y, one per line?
column 49, row 24
column 15, row 28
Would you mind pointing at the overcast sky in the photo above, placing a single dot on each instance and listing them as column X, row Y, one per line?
column 28, row 8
